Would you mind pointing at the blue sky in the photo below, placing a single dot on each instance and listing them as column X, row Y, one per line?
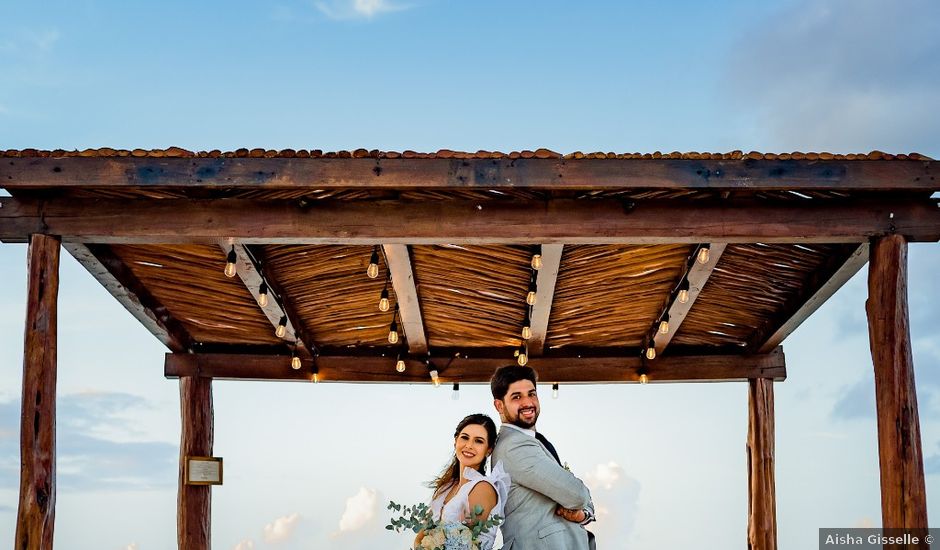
column 312, row 466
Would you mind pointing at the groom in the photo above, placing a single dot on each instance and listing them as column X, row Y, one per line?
column 547, row 506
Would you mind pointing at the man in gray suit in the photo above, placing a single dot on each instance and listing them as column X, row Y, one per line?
column 547, row 506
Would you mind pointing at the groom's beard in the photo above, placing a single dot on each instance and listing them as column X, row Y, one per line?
column 518, row 421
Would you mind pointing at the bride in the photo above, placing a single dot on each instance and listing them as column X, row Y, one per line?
column 463, row 484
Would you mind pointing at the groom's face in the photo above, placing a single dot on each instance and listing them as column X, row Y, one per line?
column 521, row 405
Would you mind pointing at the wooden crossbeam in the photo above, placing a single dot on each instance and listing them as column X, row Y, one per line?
column 697, row 276
column 247, row 270
column 591, row 370
column 817, row 291
column 409, row 308
column 468, row 222
column 321, row 173
column 545, row 294
column 114, row 275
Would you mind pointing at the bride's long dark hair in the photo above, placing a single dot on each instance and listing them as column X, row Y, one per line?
column 451, row 474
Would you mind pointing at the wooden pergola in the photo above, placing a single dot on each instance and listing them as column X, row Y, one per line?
column 658, row 267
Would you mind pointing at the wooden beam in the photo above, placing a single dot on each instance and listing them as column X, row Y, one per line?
column 323, row 173
column 594, row 370
column 398, row 258
column 247, row 270
column 194, row 502
column 697, row 276
column 818, row 290
column 762, row 495
column 903, row 494
column 468, row 222
column 120, row 281
column 545, row 294
column 35, row 519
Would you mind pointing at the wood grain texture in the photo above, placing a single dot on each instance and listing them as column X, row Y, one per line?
column 557, row 221
column 194, row 502
column 545, row 296
column 398, row 257
column 762, row 496
column 35, row 520
column 569, row 370
column 903, row 494
column 697, row 277
column 404, row 173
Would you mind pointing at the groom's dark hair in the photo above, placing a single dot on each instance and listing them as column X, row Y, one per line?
column 509, row 375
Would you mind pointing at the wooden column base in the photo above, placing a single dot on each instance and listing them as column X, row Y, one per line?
column 194, row 502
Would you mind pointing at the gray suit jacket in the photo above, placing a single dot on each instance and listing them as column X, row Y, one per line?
column 538, row 484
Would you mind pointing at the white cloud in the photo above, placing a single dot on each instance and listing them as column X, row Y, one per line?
column 246, row 544
column 280, row 529
column 615, row 496
column 360, row 510
column 356, row 9
column 604, row 475
column 131, row 546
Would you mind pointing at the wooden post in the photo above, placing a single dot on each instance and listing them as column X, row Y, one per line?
column 194, row 502
column 762, row 503
column 903, row 496
column 35, row 518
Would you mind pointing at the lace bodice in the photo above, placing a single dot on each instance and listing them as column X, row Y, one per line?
column 458, row 508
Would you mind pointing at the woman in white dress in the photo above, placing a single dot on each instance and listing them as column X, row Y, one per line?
column 463, row 484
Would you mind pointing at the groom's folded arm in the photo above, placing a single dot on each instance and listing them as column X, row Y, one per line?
column 529, row 466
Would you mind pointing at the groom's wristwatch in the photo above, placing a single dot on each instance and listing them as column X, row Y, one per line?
column 588, row 517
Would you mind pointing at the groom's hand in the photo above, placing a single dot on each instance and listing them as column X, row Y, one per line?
column 576, row 516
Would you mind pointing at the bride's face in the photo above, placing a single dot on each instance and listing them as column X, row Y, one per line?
column 471, row 446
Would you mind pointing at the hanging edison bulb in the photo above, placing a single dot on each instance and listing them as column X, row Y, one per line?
column 664, row 325
column 537, row 261
column 230, row 263
column 263, row 295
column 703, row 254
column 555, row 390
column 393, row 332
column 383, row 301
column 684, row 292
column 435, row 378
column 316, row 375
column 400, row 364
column 281, row 329
column 650, row 350
column 527, row 326
column 530, row 297
column 455, row 395
column 373, row 270
column 295, row 363
column 523, row 356
column 644, row 378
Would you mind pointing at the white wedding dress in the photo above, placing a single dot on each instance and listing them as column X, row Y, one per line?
column 457, row 508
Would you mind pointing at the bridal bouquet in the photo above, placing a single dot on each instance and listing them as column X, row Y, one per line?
column 440, row 535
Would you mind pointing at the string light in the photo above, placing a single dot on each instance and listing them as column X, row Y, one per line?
column 555, row 390
column 295, row 362
column 651, row 350
column 400, row 364
column 522, row 356
column 703, row 254
column 393, row 332
column 684, row 292
column 455, row 395
column 383, row 301
column 263, row 294
column 435, row 378
column 230, row 263
column 664, row 324
column 316, row 375
column 644, row 377
column 530, row 297
column 281, row 329
column 373, row 270
column 527, row 326
column 537, row 259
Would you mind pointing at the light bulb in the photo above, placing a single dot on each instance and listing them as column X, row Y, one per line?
column 530, row 298
column 684, row 296
column 393, row 337
column 383, row 301
column 400, row 365
column 537, row 262
column 281, row 329
column 522, row 358
column 373, row 270
column 651, row 352
column 295, row 363
column 455, row 395
column 230, row 263
column 664, row 326
column 555, row 391
column 316, row 377
column 703, row 254
column 644, row 379
column 263, row 295
column 526, row 332
column 435, row 378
